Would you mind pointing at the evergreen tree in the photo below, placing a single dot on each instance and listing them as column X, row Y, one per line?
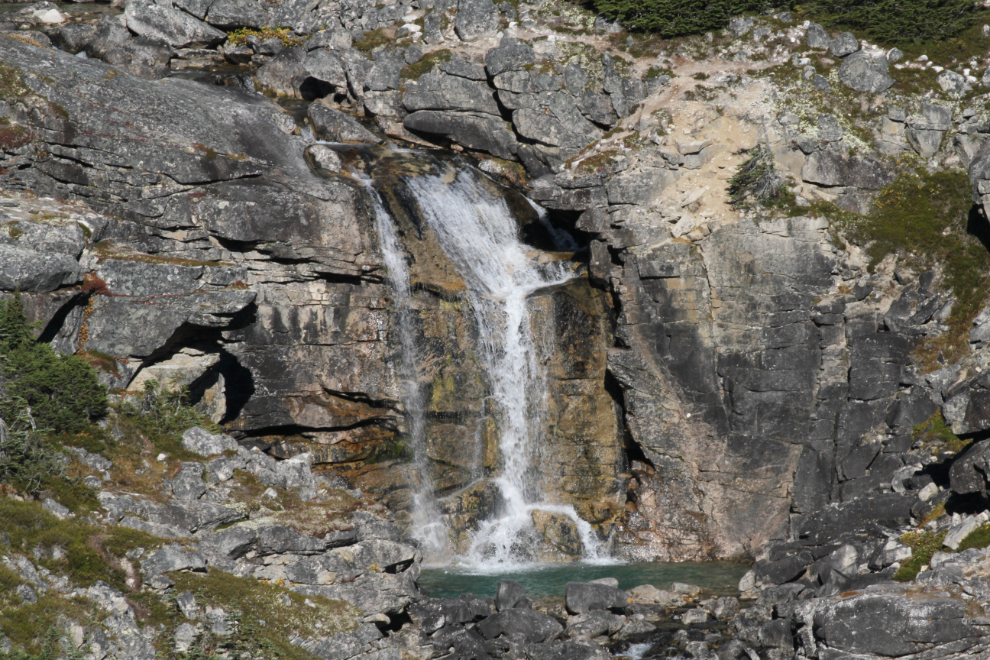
column 61, row 392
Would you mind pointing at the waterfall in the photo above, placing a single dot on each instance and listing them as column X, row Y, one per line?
column 427, row 525
column 479, row 235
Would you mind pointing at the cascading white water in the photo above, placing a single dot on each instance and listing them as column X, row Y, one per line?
column 427, row 526
column 479, row 235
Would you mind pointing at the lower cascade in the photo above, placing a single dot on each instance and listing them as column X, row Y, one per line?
column 479, row 234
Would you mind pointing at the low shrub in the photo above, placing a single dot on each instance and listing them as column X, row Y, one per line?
column 895, row 21
column 675, row 18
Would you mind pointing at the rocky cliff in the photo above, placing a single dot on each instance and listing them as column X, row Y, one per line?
column 727, row 380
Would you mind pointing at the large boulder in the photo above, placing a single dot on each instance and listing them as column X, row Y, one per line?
column 174, row 27
column 580, row 597
column 863, row 73
column 834, row 168
column 477, row 132
column 232, row 14
column 440, row 91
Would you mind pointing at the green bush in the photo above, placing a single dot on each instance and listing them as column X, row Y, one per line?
column 895, row 21
column 676, row 18
column 57, row 392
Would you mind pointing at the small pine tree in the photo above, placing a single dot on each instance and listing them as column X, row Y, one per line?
column 59, row 392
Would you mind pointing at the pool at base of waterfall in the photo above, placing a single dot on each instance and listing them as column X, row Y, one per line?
column 548, row 580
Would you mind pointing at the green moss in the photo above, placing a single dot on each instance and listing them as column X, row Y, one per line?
column 936, row 434
column 979, row 538
column 12, row 85
column 416, row 70
column 923, row 545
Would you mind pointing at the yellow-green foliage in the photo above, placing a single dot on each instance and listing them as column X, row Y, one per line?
column 268, row 615
column 923, row 545
column 239, row 37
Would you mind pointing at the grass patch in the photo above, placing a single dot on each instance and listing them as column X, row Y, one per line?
column 935, row 433
column 928, row 218
column 75, row 548
column 979, row 538
column 240, row 37
column 373, row 39
column 266, row 615
column 923, row 545
column 416, row 70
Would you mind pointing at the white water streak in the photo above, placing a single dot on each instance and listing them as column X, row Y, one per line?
column 427, row 524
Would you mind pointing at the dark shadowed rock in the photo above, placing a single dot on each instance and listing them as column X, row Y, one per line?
column 534, row 627
column 970, row 470
column 74, row 36
column 830, row 522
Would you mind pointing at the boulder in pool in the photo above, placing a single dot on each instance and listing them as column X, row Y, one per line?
column 510, row 594
column 581, row 597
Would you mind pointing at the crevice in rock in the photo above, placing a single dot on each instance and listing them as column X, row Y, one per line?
column 238, row 385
